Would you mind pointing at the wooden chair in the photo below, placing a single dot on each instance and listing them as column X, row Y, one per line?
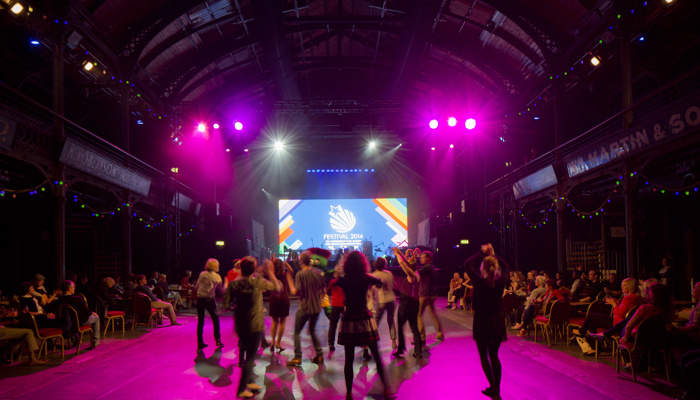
column 558, row 317
column 77, row 328
column 508, row 304
column 616, row 339
column 160, row 294
column 142, row 308
column 27, row 321
column 651, row 337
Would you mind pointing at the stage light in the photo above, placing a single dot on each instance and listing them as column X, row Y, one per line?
column 452, row 121
column 470, row 124
column 139, row 122
column 87, row 66
column 201, row 127
column 595, row 61
column 433, row 124
column 279, row 145
column 452, row 146
column 536, row 118
column 372, row 144
column 238, row 125
column 216, row 126
column 17, row 8
column 432, row 148
column 228, row 150
column 174, row 170
column 641, row 38
column 245, row 150
column 34, row 42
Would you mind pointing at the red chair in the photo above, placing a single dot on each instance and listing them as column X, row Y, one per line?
column 27, row 321
column 651, row 337
column 142, row 308
column 78, row 329
column 558, row 317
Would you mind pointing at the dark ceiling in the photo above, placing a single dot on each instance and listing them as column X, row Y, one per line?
column 339, row 69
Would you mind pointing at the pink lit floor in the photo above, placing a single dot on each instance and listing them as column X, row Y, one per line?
column 163, row 364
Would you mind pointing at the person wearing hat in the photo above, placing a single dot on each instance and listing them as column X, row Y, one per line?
column 40, row 291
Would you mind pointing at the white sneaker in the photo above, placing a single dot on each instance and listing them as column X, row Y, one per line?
column 245, row 394
column 253, row 386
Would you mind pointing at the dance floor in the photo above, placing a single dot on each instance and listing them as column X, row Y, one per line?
column 164, row 364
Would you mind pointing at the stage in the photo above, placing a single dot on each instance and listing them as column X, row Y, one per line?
column 164, row 364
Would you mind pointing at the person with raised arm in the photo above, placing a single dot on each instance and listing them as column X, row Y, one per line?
column 408, row 305
column 489, row 274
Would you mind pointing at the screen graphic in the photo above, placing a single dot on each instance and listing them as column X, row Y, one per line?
column 343, row 223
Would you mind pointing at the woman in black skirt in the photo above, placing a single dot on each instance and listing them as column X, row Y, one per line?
column 357, row 327
column 489, row 274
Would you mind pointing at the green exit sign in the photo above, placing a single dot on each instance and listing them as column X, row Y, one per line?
column 464, row 241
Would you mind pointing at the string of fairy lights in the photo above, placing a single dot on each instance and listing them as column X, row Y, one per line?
column 146, row 219
column 687, row 190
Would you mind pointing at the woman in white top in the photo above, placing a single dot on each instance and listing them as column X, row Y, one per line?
column 207, row 284
column 387, row 299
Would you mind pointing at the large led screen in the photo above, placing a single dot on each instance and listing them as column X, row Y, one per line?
column 342, row 223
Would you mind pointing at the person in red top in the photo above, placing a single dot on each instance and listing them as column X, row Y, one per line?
column 234, row 273
column 337, row 306
column 552, row 294
column 594, row 321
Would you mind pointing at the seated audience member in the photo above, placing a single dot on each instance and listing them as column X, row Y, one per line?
column 559, row 278
column 594, row 321
column 17, row 334
column 517, row 285
column 645, row 286
column 455, row 283
column 186, row 281
column 595, row 288
column 131, row 284
column 688, row 336
column 690, row 368
column 153, row 280
column 155, row 303
column 545, row 274
column 529, row 309
column 552, row 294
column 530, row 283
column 30, row 300
column 660, row 310
column 577, row 285
column 118, row 288
column 612, row 286
column 620, row 326
column 82, row 286
column 104, row 290
column 171, row 296
column 85, row 315
column 461, row 291
column 40, row 290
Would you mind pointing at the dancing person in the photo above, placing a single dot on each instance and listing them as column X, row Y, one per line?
column 208, row 283
column 337, row 307
column 310, row 287
column 461, row 293
column 408, row 306
column 427, row 293
column 279, row 303
column 357, row 326
column 387, row 299
column 489, row 274
column 246, row 293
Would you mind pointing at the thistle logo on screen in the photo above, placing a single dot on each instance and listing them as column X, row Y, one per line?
column 342, row 221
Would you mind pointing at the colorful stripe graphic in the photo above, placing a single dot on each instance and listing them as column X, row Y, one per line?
column 396, row 217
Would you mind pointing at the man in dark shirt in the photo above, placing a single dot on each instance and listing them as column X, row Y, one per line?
column 595, row 287
column 155, row 303
column 85, row 315
column 427, row 294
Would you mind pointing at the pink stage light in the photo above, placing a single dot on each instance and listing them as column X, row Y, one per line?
column 452, row 146
column 470, row 124
column 433, row 124
column 246, row 150
column 201, row 127
column 432, row 148
column 452, row 121
column 238, row 125
column 216, row 126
